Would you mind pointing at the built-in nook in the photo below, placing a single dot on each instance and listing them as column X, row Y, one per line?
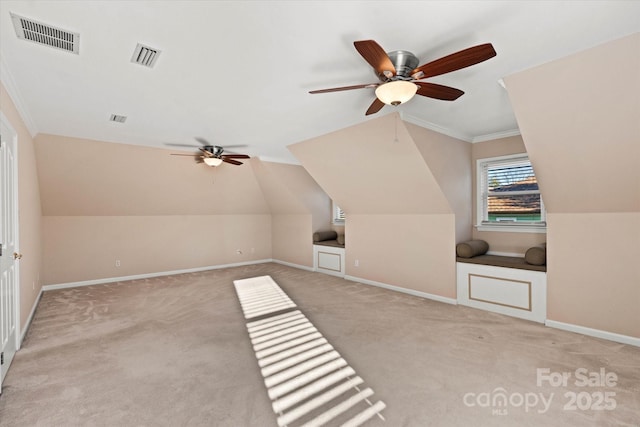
column 329, row 252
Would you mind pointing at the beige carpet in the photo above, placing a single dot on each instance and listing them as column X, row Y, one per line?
column 174, row 351
column 308, row 381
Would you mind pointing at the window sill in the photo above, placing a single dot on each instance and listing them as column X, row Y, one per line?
column 512, row 228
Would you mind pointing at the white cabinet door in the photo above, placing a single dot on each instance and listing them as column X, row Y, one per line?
column 329, row 260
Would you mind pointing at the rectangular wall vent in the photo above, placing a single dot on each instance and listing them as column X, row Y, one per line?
column 145, row 55
column 37, row 32
column 117, row 118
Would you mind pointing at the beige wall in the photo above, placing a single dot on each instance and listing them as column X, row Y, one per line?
column 415, row 252
column 500, row 241
column 84, row 248
column 154, row 212
column 299, row 207
column 579, row 120
column 449, row 160
column 400, row 226
column 594, row 280
column 29, row 211
column 292, row 238
column 300, row 187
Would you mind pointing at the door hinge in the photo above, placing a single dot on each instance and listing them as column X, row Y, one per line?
column 2, row 358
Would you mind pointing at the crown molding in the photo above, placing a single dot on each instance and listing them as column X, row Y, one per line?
column 455, row 134
column 9, row 84
column 436, row 128
column 496, row 135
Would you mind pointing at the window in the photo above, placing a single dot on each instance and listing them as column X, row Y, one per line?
column 338, row 214
column 508, row 195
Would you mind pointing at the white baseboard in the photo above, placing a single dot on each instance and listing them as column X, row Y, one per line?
column 413, row 292
column 149, row 275
column 23, row 331
column 290, row 264
column 611, row 336
column 597, row 333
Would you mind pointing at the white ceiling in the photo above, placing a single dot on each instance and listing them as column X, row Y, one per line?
column 239, row 72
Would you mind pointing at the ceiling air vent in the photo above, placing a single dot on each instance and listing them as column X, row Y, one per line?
column 37, row 32
column 145, row 55
column 117, row 118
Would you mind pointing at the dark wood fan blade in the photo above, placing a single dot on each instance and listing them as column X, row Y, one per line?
column 233, row 162
column 375, row 106
column 190, row 155
column 375, row 55
column 202, row 141
column 456, row 61
column 338, row 89
column 235, row 156
column 433, row 90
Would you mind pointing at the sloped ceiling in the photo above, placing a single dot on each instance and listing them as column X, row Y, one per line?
column 85, row 177
column 579, row 118
column 280, row 198
column 449, row 160
column 378, row 169
column 300, row 185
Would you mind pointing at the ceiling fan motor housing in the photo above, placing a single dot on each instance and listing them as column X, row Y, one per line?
column 216, row 150
column 405, row 62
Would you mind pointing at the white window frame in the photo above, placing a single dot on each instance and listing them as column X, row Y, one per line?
column 482, row 223
column 337, row 214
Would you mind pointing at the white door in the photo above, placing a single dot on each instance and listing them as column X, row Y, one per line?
column 9, row 250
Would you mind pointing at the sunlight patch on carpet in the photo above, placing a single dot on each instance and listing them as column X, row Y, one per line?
column 260, row 296
column 307, row 380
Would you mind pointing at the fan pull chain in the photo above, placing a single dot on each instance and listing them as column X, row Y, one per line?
column 396, row 134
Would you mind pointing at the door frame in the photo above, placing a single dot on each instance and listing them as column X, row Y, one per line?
column 10, row 137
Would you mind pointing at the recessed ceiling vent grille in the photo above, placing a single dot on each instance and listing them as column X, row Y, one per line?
column 37, row 32
column 145, row 55
column 117, row 118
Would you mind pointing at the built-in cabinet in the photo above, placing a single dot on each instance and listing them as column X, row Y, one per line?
column 329, row 260
column 510, row 291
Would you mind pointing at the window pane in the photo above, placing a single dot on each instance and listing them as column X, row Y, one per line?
column 511, row 178
column 508, row 193
column 511, row 207
column 338, row 213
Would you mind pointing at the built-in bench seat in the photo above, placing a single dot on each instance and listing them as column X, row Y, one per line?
column 333, row 243
column 503, row 261
column 515, row 286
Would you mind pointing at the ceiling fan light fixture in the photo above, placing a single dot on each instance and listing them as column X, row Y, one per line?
column 212, row 161
column 397, row 92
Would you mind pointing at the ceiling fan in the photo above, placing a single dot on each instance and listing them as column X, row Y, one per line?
column 401, row 77
column 211, row 155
